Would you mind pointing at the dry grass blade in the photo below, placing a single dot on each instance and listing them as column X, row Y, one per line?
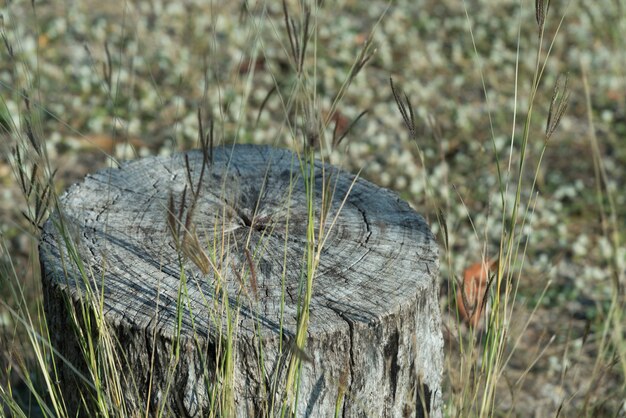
column 181, row 210
column 337, row 139
column 189, row 215
column 305, row 38
column 273, row 90
column 7, row 44
column 444, row 227
column 195, row 193
column 42, row 201
column 540, row 13
column 470, row 307
column 33, row 176
column 492, row 277
column 171, row 220
column 293, row 40
column 406, row 110
column 559, row 409
column 20, row 169
column 107, row 67
column 188, row 173
column 210, row 141
column 298, row 46
column 558, row 105
column 192, row 249
column 189, row 245
column 36, row 188
column 30, row 133
column 26, row 100
column 206, row 140
column 364, row 57
column 200, row 128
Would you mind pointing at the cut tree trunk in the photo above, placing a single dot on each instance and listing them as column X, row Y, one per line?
column 175, row 285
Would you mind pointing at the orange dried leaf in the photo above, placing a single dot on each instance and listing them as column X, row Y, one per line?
column 472, row 291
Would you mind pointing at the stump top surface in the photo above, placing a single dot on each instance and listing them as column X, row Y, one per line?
column 250, row 220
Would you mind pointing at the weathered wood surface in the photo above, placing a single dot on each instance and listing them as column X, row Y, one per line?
column 374, row 317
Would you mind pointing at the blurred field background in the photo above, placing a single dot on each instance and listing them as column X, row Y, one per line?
column 125, row 79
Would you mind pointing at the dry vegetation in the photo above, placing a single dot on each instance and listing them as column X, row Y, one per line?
column 125, row 79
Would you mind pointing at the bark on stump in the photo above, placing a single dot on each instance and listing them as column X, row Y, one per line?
column 374, row 332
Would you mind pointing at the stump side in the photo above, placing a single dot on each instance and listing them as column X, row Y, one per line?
column 374, row 319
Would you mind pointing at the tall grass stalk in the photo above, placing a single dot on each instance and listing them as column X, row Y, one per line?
column 503, row 296
column 612, row 346
column 485, row 354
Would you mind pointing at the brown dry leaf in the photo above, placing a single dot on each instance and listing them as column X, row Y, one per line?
column 472, row 292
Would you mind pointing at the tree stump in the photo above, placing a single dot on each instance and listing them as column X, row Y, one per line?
column 184, row 278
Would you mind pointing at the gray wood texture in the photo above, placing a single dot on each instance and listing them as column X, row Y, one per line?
column 375, row 327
